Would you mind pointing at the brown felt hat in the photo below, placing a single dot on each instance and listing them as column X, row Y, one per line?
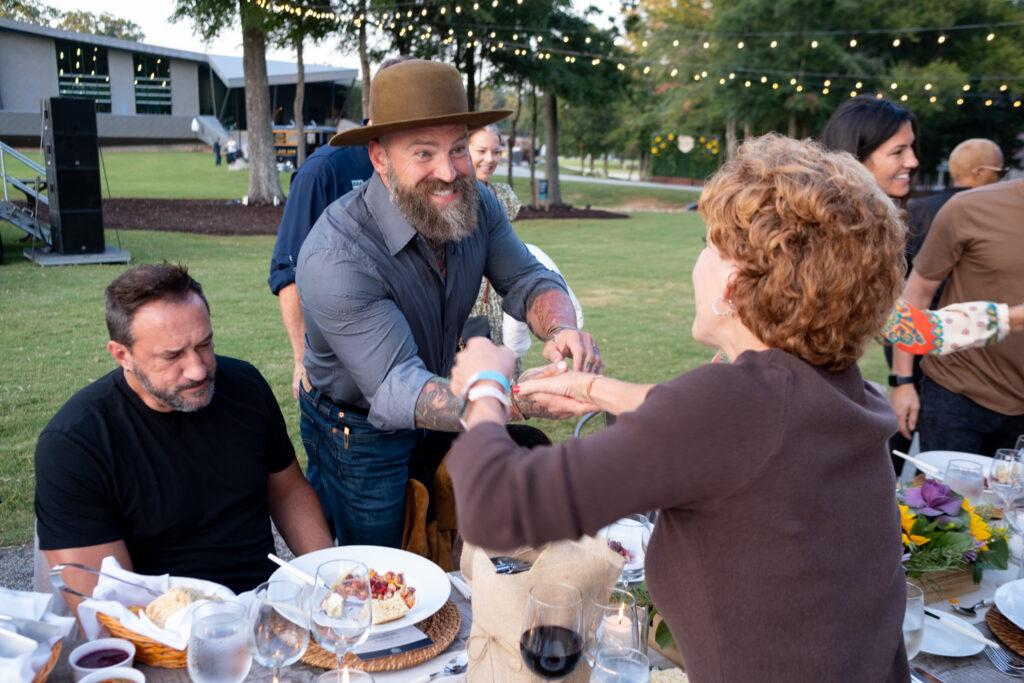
column 417, row 93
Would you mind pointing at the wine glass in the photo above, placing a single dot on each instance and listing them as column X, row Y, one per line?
column 1013, row 513
column 620, row 665
column 552, row 640
column 280, row 625
column 1020, row 443
column 913, row 621
column 341, row 611
column 1007, row 474
column 629, row 537
column 610, row 621
column 218, row 644
column 966, row 478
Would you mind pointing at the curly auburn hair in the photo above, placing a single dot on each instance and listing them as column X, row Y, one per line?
column 817, row 246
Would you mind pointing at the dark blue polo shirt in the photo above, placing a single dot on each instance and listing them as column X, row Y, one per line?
column 329, row 173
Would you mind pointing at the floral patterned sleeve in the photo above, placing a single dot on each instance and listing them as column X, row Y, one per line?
column 953, row 328
column 508, row 199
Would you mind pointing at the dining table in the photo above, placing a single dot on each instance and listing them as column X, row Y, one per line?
column 972, row 669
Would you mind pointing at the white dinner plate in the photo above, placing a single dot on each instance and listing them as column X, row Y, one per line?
column 429, row 580
column 1010, row 601
column 941, row 640
column 940, row 459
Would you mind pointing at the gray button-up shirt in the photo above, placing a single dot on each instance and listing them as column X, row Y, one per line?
column 380, row 318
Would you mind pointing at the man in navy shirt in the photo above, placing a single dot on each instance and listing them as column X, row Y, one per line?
column 329, row 173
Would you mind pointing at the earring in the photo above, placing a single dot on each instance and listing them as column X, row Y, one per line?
column 717, row 302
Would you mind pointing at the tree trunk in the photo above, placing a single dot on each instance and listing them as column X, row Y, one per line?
column 791, row 129
column 730, row 137
column 264, row 185
column 533, row 151
column 606, row 164
column 300, row 95
column 364, row 60
column 592, row 163
column 470, row 76
column 551, row 141
column 748, row 132
column 512, row 134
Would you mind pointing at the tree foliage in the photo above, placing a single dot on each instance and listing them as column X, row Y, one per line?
column 102, row 24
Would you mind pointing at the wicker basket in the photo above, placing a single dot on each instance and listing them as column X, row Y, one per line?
column 147, row 650
column 47, row 669
column 939, row 586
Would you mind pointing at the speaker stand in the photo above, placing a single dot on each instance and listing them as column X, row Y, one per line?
column 45, row 257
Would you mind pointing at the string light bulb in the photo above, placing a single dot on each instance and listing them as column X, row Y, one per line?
column 959, row 101
column 858, row 85
column 746, row 84
column 814, row 44
column 903, row 98
column 990, row 37
column 673, row 73
column 824, row 91
column 967, row 86
column 1003, row 87
column 988, row 103
column 927, row 86
column 896, row 42
column 853, row 42
column 942, row 39
column 774, row 44
column 675, row 43
column 740, row 45
column 853, row 93
column 893, row 85
column 706, row 45
column 932, row 99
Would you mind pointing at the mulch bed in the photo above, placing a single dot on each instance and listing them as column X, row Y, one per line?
column 222, row 217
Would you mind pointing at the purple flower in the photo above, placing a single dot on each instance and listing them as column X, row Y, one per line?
column 971, row 556
column 933, row 499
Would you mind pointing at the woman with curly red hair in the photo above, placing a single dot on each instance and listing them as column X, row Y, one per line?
column 776, row 556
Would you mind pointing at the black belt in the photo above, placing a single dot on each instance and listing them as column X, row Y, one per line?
column 342, row 406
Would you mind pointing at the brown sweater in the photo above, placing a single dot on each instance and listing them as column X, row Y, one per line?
column 777, row 553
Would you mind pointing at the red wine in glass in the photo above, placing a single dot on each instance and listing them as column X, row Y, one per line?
column 551, row 651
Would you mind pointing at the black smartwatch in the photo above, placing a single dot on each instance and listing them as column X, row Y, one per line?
column 899, row 380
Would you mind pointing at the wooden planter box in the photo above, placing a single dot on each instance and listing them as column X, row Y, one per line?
column 939, row 586
column 672, row 653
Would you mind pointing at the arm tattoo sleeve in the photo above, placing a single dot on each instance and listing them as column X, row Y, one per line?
column 437, row 408
column 549, row 311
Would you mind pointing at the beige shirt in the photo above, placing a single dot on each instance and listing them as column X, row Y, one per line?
column 977, row 241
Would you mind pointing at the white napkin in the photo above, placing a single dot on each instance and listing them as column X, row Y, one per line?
column 27, row 605
column 113, row 598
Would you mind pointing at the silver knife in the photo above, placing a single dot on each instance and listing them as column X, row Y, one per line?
column 925, row 676
column 39, row 631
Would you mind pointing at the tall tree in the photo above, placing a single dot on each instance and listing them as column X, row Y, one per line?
column 209, row 18
column 29, row 11
column 102, row 24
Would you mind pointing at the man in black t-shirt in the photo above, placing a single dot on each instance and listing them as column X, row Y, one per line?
column 154, row 466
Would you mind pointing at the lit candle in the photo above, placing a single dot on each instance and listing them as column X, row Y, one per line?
column 617, row 629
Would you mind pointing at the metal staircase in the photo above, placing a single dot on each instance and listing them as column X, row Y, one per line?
column 23, row 218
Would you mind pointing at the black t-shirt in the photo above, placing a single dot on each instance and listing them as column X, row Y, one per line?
column 187, row 492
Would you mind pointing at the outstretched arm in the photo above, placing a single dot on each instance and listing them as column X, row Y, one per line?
column 552, row 317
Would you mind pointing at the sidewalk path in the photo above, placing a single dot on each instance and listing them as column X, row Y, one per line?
column 524, row 172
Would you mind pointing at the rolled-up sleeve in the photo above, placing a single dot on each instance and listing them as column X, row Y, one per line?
column 510, row 267
column 366, row 331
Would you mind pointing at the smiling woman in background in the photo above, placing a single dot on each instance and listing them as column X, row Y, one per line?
column 755, row 563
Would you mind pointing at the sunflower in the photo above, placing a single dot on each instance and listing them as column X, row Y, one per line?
column 979, row 529
column 907, row 522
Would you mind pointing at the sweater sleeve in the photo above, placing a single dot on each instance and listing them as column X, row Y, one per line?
column 953, row 328
column 695, row 440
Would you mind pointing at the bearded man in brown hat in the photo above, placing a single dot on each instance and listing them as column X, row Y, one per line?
column 387, row 278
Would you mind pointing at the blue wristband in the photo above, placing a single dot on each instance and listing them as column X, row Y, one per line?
column 488, row 376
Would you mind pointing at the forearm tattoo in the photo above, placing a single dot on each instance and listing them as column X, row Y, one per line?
column 437, row 408
column 550, row 311
column 528, row 407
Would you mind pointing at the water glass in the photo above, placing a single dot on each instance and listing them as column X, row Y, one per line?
column 611, row 621
column 218, row 646
column 345, row 676
column 552, row 640
column 620, row 665
column 629, row 537
column 1020, row 443
column 966, row 478
column 913, row 621
column 280, row 625
column 341, row 607
column 1007, row 474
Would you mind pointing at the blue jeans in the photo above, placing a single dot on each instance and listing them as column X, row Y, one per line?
column 359, row 475
column 953, row 422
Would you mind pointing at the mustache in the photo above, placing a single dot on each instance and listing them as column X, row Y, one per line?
column 430, row 185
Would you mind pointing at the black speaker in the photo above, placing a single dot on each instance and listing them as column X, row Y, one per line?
column 73, row 175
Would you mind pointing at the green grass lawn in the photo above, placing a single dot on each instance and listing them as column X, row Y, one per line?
column 632, row 276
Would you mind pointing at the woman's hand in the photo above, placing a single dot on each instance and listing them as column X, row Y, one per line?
column 906, row 405
column 479, row 355
column 569, row 391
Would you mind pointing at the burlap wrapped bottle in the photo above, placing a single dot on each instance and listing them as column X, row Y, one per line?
column 499, row 602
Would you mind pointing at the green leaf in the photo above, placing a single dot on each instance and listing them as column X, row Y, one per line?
column 953, row 540
column 663, row 637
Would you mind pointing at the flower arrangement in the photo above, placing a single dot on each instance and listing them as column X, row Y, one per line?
column 944, row 531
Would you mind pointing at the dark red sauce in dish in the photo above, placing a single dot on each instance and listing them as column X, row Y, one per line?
column 101, row 659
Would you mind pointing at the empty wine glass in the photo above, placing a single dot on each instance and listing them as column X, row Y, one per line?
column 340, row 610
column 966, row 478
column 629, row 537
column 1007, row 474
column 610, row 620
column 620, row 665
column 913, row 621
column 218, row 644
column 280, row 625
column 552, row 639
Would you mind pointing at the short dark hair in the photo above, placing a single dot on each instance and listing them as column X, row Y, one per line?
column 138, row 286
column 861, row 124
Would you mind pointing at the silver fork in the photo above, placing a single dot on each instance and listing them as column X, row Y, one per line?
column 1004, row 662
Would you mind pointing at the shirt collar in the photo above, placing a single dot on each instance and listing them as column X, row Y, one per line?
column 396, row 230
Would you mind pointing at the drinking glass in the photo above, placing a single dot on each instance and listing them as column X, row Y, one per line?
column 345, row 676
column 1013, row 513
column 218, row 645
column 966, row 478
column 341, row 610
column 620, row 665
column 629, row 537
column 552, row 639
column 913, row 621
column 610, row 621
column 1007, row 474
column 1020, row 443
column 280, row 625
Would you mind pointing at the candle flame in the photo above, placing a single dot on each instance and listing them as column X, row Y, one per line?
column 344, row 675
column 622, row 611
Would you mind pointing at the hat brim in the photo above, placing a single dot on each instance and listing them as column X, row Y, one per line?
column 473, row 119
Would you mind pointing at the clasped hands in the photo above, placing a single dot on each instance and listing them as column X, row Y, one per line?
column 551, row 391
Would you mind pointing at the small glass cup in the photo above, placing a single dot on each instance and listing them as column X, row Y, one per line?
column 611, row 621
column 620, row 665
column 966, row 478
column 913, row 621
column 218, row 646
column 345, row 675
column 629, row 537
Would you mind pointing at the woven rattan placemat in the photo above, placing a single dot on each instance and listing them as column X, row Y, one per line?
column 1005, row 630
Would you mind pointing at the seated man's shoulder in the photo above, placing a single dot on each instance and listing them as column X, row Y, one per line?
column 239, row 371
column 89, row 405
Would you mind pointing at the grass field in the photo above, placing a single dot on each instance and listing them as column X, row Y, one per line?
column 632, row 277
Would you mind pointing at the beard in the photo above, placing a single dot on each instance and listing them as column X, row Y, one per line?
column 452, row 222
column 174, row 397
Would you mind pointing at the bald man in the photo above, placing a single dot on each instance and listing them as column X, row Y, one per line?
column 972, row 163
